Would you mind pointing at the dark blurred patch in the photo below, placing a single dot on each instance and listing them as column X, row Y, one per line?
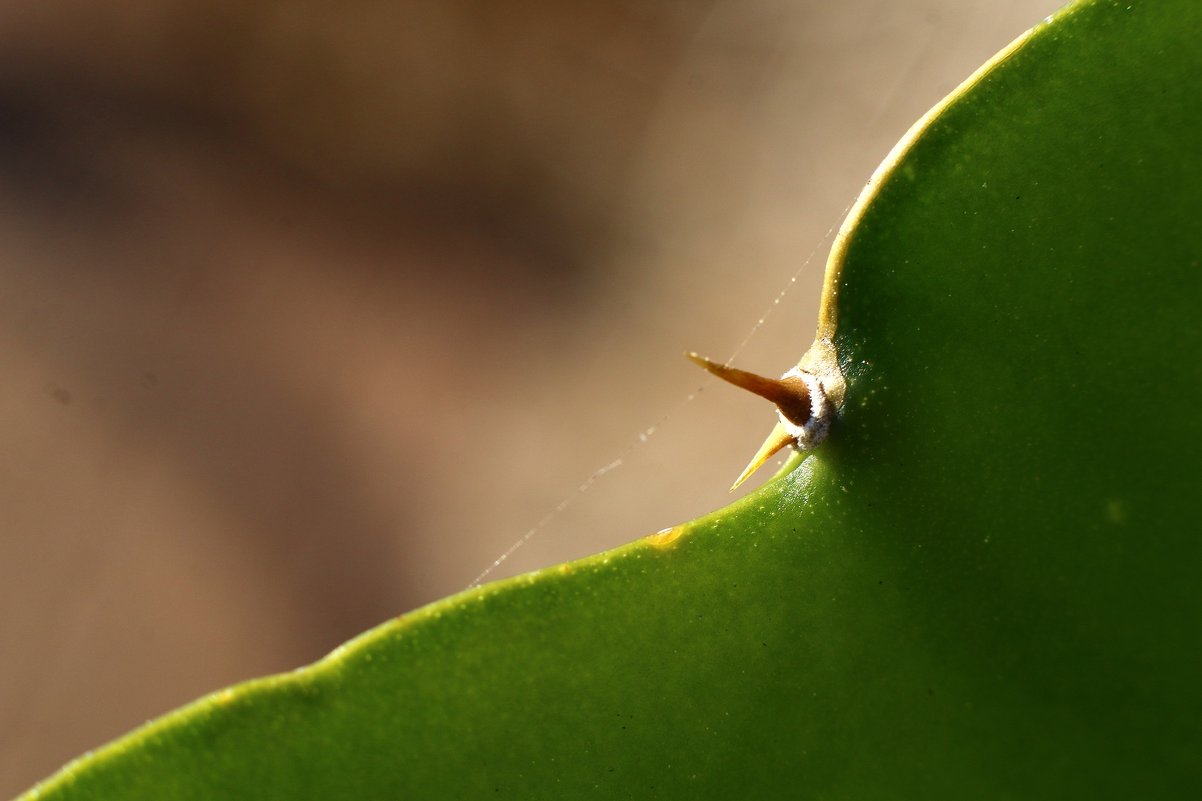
column 516, row 122
column 69, row 157
column 50, row 158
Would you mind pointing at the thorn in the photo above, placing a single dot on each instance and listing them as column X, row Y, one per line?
column 790, row 395
column 779, row 438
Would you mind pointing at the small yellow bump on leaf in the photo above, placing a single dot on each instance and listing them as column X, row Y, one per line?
column 665, row 537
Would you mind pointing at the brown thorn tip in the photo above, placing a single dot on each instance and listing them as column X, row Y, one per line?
column 790, row 395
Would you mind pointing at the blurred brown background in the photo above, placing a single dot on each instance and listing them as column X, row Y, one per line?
column 308, row 310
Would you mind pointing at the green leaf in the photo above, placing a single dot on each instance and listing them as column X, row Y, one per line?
column 985, row 584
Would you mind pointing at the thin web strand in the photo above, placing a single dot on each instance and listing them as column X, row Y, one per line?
column 645, row 435
column 763, row 318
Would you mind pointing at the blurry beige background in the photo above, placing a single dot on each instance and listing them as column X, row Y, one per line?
column 309, row 310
